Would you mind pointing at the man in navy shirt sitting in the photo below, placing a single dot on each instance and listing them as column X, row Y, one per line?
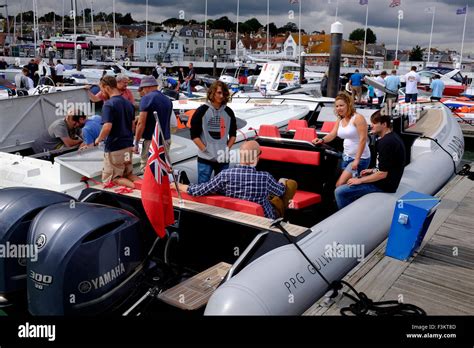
column 245, row 182
column 152, row 100
column 356, row 86
column 117, row 115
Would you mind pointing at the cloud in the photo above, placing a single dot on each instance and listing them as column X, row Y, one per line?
column 316, row 15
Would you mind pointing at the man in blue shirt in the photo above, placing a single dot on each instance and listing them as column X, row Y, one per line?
column 437, row 88
column 245, row 182
column 152, row 100
column 118, row 116
column 392, row 83
column 356, row 86
column 91, row 130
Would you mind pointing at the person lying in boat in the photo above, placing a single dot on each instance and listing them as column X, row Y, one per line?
column 245, row 182
column 386, row 176
column 352, row 127
column 65, row 132
column 118, row 116
column 91, row 130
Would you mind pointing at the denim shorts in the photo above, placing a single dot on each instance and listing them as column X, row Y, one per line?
column 347, row 164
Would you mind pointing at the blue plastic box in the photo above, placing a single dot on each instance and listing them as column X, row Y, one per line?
column 411, row 219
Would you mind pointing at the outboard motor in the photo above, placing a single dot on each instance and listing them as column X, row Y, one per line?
column 18, row 207
column 89, row 259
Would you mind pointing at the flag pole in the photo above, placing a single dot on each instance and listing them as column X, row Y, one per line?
column 299, row 35
column 165, row 144
column 146, row 31
column 205, row 31
column 463, row 33
column 237, row 32
column 268, row 25
column 431, row 35
column 365, row 34
column 398, row 34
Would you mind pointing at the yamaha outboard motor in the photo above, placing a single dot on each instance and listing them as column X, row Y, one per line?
column 18, row 208
column 89, row 258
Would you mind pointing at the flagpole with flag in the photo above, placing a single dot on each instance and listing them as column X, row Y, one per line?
column 366, row 3
column 464, row 10
column 431, row 10
column 156, row 191
column 400, row 17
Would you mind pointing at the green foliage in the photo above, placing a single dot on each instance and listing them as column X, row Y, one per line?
column 416, row 54
column 358, row 35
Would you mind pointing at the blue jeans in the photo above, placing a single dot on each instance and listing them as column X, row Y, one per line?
column 346, row 194
column 411, row 97
column 347, row 162
column 205, row 170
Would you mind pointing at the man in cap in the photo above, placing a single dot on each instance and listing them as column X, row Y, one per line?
column 152, row 100
column 122, row 84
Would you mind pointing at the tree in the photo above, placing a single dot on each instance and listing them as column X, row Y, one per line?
column 358, row 35
column 273, row 29
column 127, row 19
column 288, row 27
column 416, row 54
column 223, row 23
column 253, row 24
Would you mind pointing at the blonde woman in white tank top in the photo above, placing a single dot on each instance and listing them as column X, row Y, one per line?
column 352, row 127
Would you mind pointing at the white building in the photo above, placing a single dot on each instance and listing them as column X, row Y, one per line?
column 193, row 40
column 161, row 46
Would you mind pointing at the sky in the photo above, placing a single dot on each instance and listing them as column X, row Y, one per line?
column 316, row 15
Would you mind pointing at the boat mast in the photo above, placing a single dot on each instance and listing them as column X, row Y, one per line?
column 237, row 32
column 92, row 18
column 146, row 31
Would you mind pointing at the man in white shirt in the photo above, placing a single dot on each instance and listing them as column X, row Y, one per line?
column 411, row 90
column 60, row 72
column 378, row 92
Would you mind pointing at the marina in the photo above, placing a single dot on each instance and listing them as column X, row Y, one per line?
column 302, row 160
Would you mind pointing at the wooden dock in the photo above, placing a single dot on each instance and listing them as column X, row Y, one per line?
column 439, row 278
column 467, row 130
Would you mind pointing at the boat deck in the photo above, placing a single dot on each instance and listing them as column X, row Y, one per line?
column 439, row 277
column 467, row 130
column 221, row 213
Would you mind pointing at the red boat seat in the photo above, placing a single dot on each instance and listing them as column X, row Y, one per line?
column 327, row 127
column 293, row 124
column 269, row 131
column 290, row 156
column 304, row 199
column 230, row 203
column 236, row 204
column 306, row 134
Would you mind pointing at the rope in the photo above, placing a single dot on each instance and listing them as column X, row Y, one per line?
column 364, row 306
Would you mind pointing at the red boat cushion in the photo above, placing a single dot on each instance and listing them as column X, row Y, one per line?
column 303, row 199
column 294, row 124
column 312, row 158
column 306, row 134
column 138, row 184
column 327, row 127
column 236, row 204
column 269, row 131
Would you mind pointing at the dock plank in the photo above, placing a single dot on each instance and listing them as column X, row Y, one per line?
column 440, row 277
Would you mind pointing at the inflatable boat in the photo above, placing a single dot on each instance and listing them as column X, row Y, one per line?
column 97, row 253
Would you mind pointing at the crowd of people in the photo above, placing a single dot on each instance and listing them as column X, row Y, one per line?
column 213, row 130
